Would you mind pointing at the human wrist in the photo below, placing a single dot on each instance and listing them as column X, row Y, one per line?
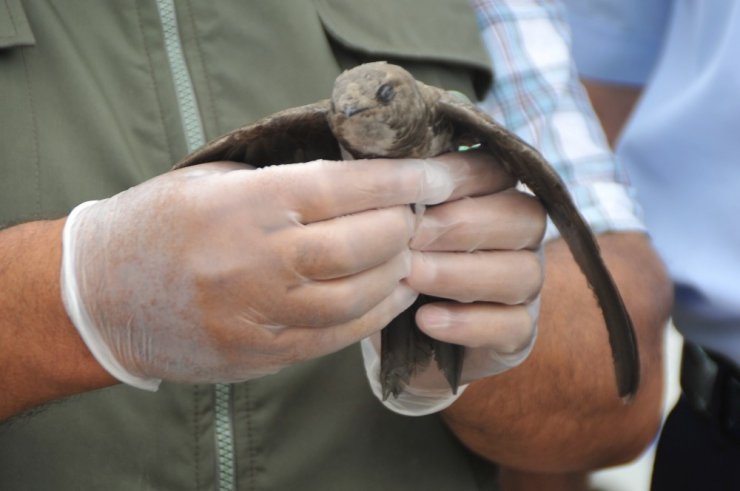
column 71, row 366
column 41, row 355
column 77, row 312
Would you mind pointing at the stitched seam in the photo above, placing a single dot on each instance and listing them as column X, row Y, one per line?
column 157, row 94
column 199, row 49
column 12, row 21
column 251, row 447
column 34, row 125
column 196, row 434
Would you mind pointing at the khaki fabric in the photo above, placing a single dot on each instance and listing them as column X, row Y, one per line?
column 88, row 108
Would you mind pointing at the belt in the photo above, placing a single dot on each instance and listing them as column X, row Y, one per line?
column 711, row 385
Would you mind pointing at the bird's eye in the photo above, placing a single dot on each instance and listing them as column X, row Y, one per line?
column 385, row 93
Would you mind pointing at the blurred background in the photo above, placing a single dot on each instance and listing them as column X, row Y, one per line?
column 636, row 476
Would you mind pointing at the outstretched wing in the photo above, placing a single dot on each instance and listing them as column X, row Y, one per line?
column 526, row 164
column 299, row 134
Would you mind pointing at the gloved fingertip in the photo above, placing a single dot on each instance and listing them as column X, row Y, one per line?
column 434, row 318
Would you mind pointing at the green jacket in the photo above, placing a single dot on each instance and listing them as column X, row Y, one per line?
column 97, row 96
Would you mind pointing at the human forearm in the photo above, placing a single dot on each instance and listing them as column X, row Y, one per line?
column 613, row 105
column 213, row 273
column 559, row 411
column 42, row 357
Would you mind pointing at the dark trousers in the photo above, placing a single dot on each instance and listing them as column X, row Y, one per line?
column 694, row 455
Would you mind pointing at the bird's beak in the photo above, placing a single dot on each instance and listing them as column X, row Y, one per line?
column 350, row 111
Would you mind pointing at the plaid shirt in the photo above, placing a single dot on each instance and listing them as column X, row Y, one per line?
column 537, row 95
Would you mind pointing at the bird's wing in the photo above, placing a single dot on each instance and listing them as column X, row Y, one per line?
column 299, row 134
column 473, row 126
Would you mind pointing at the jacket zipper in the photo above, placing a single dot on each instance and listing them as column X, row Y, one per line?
column 195, row 138
column 224, row 437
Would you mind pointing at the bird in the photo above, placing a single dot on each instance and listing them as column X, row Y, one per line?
column 379, row 109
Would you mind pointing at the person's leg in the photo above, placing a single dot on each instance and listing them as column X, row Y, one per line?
column 693, row 455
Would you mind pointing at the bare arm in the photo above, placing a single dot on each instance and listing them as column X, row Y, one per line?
column 42, row 357
column 187, row 272
column 613, row 104
column 559, row 412
column 565, row 458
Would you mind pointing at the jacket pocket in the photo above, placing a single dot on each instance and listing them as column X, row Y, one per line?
column 19, row 185
column 14, row 27
column 437, row 40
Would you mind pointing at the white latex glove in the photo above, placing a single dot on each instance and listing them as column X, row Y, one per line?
column 484, row 253
column 221, row 273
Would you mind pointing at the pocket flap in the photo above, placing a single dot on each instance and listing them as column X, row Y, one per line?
column 406, row 29
column 14, row 27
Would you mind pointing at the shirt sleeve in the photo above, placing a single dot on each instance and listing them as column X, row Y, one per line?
column 538, row 96
column 617, row 40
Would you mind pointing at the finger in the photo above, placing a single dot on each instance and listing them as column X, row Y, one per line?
column 210, row 168
column 337, row 301
column 506, row 277
column 349, row 244
column 375, row 319
column 310, row 342
column 323, row 189
column 509, row 220
column 475, row 173
column 503, row 328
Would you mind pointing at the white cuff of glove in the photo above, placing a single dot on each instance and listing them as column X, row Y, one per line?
column 418, row 399
column 413, row 401
column 79, row 316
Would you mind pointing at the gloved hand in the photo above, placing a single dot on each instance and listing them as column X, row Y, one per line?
column 221, row 273
column 481, row 249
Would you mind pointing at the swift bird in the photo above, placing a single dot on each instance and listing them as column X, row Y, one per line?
column 380, row 110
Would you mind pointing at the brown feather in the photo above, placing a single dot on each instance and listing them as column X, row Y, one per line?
column 528, row 166
column 299, row 134
column 308, row 133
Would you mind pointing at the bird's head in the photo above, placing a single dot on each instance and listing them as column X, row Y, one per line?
column 377, row 110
